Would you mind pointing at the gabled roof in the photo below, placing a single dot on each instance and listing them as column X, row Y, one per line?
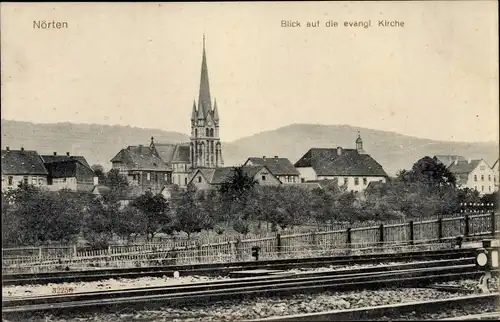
column 22, row 162
column 64, row 158
column 219, row 175
column 448, row 159
column 62, row 169
column 463, row 166
column 141, row 158
column 495, row 164
column 173, row 153
column 327, row 162
column 278, row 166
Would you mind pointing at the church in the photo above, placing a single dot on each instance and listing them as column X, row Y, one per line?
column 142, row 166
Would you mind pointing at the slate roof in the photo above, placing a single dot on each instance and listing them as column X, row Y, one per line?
column 448, row 159
column 141, row 158
column 62, row 169
column 22, row 162
column 278, row 166
column 464, row 166
column 306, row 185
column 326, row 162
column 64, row 158
column 495, row 164
column 173, row 153
column 219, row 175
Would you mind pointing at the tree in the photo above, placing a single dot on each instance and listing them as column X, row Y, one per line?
column 155, row 211
column 99, row 223
column 190, row 214
column 432, row 172
column 235, row 191
column 117, row 182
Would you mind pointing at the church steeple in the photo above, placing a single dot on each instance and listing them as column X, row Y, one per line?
column 359, row 144
column 216, row 113
column 193, row 112
column 204, row 99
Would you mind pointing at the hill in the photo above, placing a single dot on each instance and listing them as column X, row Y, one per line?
column 99, row 143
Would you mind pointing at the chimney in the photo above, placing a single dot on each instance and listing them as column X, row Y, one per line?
column 55, row 153
column 276, row 158
column 67, row 153
column 22, row 148
column 339, row 150
column 7, row 148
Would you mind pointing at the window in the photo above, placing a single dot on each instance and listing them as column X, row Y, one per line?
column 64, row 180
column 263, row 178
column 356, row 181
column 25, row 179
column 11, row 179
column 148, row 176
column 475, row 188
column 207, row 132
column 166, row 177
column 482, row 188
column 475, row 178
column 40, row 181
column 195, row 132
column 346, row 181
column 489, row 177
column 489, row 188
column 302, row 180
column 199, row 179
column 482, row 177
column 365, row 181
column 185, row 181
column 33, row 181
column 294, row 179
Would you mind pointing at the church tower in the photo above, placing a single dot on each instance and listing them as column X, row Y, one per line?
column 205, row 147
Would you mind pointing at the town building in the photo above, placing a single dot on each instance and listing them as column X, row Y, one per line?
column 143, row 168
column 496, row 175
column 69, row 172
column 203, row 151
column 353, row 168
column 282, row 168
column 22, row 166
column 474, row 174
column 205, row 179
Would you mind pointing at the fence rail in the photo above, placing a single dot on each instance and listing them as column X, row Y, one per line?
column 224, row 248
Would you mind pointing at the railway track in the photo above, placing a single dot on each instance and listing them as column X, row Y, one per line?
column 404, row 311
column 222, row 269
column 402, row 275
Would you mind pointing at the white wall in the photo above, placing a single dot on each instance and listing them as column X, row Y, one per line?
column 362, row 182
column 307, row 173
column 36, row 180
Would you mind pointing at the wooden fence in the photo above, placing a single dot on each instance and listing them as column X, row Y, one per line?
column 391, row 237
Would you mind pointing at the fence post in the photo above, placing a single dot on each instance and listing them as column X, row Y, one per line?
column 278, row 244
column 349, row 237
column 493, row 224
column 466, row 226
column 40, row 253
column 412, row 236
column 381, row 234
column 440, row 229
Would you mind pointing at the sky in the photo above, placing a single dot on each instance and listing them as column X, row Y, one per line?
column 138, row 64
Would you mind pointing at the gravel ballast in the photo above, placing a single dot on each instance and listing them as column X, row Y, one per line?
column 238, row 310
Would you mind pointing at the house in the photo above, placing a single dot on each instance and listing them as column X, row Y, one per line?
column 176, row 156
column 282, row 168
column 353, row 168
column 69, row 172
column 205, row 179
column 496, row 176
column 22, row 166
column 143, row 168
column 473, row 174
column 448, row 159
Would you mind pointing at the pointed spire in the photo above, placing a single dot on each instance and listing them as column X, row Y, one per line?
column 204, row 99
column 193, row 113
column 216, row 112
column 152, row 144
column 201, row 115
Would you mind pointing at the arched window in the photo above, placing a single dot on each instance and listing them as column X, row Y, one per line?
column 211, row 132
column 195, row 132
column 207, row 132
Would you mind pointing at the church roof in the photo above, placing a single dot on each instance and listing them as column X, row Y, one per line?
column 278, row 166
column 141, row 158
column 329, row 162
column 173, row 153
column 204, row 100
